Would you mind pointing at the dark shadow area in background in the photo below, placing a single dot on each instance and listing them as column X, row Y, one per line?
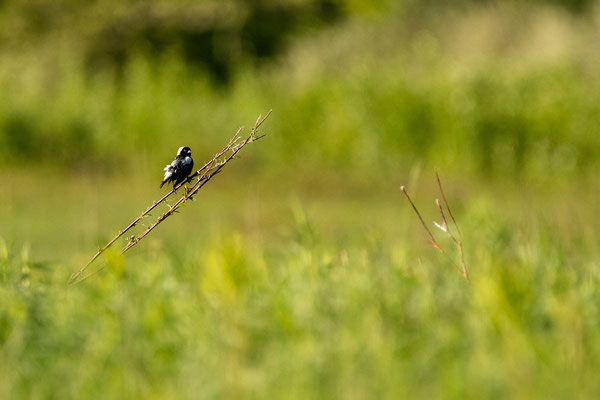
column 213, row 39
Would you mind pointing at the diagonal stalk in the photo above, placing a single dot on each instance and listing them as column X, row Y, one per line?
column 202, row 176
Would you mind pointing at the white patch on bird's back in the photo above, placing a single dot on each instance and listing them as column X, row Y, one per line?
column 168, row 172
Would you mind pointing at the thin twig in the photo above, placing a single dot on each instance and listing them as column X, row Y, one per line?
column 444, row 227
column 203, row 180
column 458, row 242
column 431, row 238
column 201, row 177
column 437, row 176
column 138, row 219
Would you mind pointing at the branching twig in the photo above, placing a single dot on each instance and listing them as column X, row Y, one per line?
column 462, row 269
column 234, row 146
column 200, row 178
column 457, row 241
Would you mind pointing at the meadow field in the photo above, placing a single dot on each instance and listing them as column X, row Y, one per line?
column 301, row 271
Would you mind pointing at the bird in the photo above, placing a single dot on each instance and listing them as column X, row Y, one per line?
column 180, row 168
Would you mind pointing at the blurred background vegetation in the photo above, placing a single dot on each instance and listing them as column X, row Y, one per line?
column 493, row 87
column 300, row 272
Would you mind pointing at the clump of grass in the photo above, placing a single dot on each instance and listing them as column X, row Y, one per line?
column 456, row 239
column 199, row 178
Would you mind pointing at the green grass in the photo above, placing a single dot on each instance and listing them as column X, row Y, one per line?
column 316, row 295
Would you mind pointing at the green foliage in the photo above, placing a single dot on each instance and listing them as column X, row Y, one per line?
column 537, row 121
column 302, row 317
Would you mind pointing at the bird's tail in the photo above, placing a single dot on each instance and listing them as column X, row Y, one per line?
column 162, row 183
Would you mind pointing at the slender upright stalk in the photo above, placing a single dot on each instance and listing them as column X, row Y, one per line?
column 462, row 269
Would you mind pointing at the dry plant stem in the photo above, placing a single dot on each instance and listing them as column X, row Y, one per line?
column 437, row 176
column 434, row 243
column 135, row 221
column 431, row 238
column 203, row 175
column 464, row 272
column 457, row 242
column 189, row 194
column 445, row 226
column 77, row 277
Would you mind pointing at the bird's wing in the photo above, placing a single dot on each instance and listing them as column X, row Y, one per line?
column 170, row 170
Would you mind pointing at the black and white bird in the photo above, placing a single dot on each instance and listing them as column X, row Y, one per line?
column 180, row 168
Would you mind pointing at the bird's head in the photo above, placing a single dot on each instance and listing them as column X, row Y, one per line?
column 184, row 152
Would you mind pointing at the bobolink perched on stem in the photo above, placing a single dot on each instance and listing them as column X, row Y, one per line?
column 180, row 168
